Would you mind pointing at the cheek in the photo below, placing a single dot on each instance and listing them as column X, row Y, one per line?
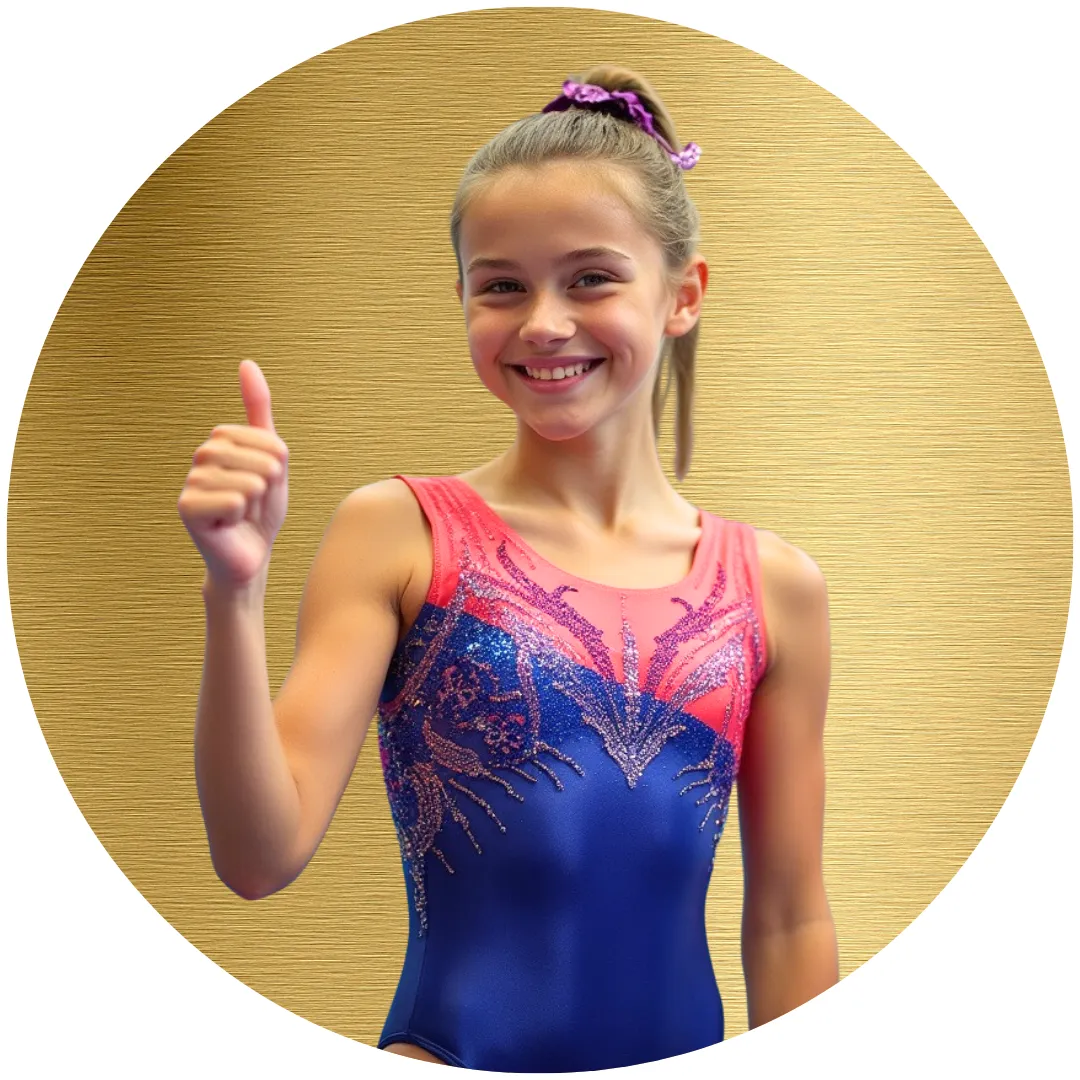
column 485, row 333
column 630, row 337
column 485, row 348
column 628, row 323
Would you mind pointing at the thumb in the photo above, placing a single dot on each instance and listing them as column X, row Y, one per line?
column 256, row 394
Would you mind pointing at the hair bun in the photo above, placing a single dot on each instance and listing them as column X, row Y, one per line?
column 614, row 77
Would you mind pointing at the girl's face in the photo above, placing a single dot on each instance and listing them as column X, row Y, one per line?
column 559, row 273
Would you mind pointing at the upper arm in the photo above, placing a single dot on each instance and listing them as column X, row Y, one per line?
column 347, row 630
column 781, row 779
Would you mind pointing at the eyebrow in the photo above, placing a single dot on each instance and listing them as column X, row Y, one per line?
column 571, row 256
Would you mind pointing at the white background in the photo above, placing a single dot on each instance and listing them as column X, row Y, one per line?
column 96, row 95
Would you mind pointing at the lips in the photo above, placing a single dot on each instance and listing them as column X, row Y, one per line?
column 555, row 385
column 553, row 361
column 546, row 366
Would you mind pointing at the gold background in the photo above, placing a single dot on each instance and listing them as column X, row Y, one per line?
column 868, row 388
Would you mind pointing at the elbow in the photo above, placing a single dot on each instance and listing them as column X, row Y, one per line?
column 251, row 878
column 249, row 887
column 246, row 893
column 251, row 890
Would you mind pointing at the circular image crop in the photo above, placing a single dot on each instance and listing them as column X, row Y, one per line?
column 867, row 387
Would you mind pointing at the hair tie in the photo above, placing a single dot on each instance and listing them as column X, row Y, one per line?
column 629, row 105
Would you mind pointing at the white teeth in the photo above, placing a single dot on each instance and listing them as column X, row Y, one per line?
column 546, row 374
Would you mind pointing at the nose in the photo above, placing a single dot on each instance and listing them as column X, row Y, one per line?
column 546, row 320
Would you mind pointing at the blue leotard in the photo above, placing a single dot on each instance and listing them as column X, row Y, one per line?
column 558, row 758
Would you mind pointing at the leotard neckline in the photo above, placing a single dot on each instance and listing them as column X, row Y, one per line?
column 704, row 521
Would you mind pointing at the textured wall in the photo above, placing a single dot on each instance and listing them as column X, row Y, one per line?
column 868, row 388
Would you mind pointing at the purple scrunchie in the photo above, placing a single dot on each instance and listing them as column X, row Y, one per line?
column 627, row 102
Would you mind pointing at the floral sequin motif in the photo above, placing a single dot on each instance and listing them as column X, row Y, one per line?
column 424, row 768
column 719, row 767
column 634, row 722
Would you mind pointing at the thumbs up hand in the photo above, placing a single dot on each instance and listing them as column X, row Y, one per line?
column 236, row 494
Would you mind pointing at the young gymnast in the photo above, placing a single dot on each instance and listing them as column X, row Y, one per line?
column 571, row 664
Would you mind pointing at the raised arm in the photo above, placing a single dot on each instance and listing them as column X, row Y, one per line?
column 271, row 774
column 789, row 950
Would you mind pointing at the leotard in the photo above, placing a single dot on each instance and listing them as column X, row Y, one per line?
column 558, row 758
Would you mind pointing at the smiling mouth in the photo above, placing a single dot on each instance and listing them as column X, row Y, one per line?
column 557, row 374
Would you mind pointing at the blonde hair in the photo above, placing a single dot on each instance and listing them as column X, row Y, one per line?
column 661, row 203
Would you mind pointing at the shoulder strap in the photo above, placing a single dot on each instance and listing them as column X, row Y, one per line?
column 752, row 562
column 441, row 511
column 737, row 551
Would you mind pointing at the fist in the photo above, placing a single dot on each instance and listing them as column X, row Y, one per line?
column 236, row 493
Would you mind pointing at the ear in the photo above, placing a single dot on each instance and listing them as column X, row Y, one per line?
column 457, row 288
column 688, row 298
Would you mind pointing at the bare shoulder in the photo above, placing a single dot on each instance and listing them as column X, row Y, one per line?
column 380, row 525
column 793, row 587
column 789, row 568
column 385, row 496
column 388, row 502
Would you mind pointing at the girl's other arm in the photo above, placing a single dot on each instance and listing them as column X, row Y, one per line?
column 270, row 774
column 789, row 949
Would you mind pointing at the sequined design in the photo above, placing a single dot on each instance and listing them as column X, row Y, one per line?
column 719, row 767
column 559, row 758
column 634, row 721
column 420, row 764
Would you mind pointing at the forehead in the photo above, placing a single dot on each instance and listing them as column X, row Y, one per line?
column 552, row 208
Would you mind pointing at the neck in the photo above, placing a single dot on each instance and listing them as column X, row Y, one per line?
column 608, row 478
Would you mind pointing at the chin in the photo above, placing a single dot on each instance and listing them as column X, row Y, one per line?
column 558, row 432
